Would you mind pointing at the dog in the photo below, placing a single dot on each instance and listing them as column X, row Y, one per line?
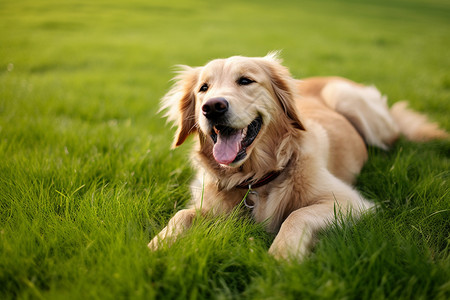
column 287, row 149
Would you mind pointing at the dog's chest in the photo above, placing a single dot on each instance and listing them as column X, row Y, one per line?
column 272, row 206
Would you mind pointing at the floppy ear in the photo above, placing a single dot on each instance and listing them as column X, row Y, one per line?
column 179, row 103
column 283, row 86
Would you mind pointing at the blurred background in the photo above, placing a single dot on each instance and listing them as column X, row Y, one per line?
column 124, row 50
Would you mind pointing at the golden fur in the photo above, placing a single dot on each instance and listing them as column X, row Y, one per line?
column 313, row 131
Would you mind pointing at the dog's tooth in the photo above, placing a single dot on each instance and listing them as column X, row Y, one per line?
column 244, row 132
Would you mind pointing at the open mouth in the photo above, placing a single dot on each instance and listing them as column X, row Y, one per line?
column 230, row 144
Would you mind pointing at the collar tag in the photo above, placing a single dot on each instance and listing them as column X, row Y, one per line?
column 248, row 202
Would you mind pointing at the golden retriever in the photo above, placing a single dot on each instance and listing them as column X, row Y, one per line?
column 293, row 146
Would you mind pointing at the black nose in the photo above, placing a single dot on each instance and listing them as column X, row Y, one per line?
column 215, row 108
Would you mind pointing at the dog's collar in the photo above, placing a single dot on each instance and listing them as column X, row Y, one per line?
column 251, row 184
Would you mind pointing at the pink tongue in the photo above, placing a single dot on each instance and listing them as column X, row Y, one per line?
column 227, row 148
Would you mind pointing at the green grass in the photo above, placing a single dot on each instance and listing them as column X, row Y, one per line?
column 87, row 178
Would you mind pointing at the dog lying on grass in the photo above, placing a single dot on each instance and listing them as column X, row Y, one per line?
column 292, row 147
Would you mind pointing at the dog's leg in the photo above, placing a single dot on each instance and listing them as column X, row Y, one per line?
column 181, row 221
column 366, row 108
column 297, row 232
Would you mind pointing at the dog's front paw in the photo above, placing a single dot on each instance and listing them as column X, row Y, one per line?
column 290, row 247
column 283, row 252
column 154, row 244
column 177, row 225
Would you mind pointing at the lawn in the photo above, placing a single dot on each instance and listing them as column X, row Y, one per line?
column 87, row 176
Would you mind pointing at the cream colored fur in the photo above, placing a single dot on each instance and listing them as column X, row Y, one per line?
column 314, row 132
column 365, row 108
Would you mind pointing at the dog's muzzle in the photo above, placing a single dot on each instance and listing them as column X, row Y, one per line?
column 230, row 144
column 215, row 108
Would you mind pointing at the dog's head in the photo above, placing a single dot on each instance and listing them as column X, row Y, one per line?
column 233, row 102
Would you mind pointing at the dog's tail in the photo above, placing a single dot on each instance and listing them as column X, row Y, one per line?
column 366, row 108
column 415, row 126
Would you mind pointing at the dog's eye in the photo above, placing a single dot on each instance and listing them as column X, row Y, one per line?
column 204, row 87
column 244, row 81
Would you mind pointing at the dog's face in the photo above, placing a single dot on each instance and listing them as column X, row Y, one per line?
column 232, row 102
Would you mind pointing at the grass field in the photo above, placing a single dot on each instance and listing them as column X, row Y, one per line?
column 87, row 177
